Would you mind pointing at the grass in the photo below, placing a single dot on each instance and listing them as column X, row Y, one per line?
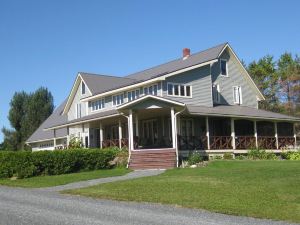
column 49, row 181
column 263, row 189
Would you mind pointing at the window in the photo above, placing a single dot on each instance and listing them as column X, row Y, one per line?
column 216, row 93
column 132, row 95
column 118, row 99
column 82, row 88
column 237, row 95
column 151, row 90
column 223, row 67
column 99, row 104
column 179, row 90
column 78, row 110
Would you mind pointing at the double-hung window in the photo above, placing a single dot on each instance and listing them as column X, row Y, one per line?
column 97, row 105
column 179, row 90
column 118, row 99
column 132, row 95
column 237, row 95
column 216, row 93
column 224, row 67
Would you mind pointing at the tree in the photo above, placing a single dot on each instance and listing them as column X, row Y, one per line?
column 289, row 81
column 264, row 74
column 27, row 112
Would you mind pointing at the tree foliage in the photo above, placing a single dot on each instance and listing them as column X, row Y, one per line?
column 27, row 112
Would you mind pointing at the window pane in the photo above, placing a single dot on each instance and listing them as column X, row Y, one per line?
column 122, row 98
column 118, row 99
column 182, row 90
column 145, row 91
column 137, row 93
column 170, row 89
column 176, row 90
column 133, row 95
column 223, row 67
column 114, row 100
column 103, row 103
column 82, row 88
column 150, row 90
column 129, row 96
column 155, row 89
column 188, row 90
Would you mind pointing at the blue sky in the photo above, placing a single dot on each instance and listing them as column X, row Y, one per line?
column 45, row 43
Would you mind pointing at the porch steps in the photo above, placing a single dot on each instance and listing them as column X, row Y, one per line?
column 153, row 159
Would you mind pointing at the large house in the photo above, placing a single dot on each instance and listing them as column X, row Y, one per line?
column 205, row 101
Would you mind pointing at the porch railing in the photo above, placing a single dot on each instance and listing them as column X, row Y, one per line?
column 266, row 142
column 110, row 143
column 287, row 141
column 220, row 142
column 245, row 142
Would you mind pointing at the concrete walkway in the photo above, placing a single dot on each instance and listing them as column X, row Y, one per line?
column 81, row 184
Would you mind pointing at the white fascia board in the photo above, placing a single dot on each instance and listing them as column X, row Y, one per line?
column 161, row 78
column 41, row 140
column 79, row 122
column 261, row 96
column 150, row 96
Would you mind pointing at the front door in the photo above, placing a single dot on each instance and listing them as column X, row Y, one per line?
column 150, row 133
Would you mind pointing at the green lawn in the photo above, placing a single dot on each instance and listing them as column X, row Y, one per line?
column 49, row 181
column 264, row 189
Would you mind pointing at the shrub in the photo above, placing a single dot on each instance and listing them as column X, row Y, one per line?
column 227, row 155
column 75, row 143
column 256, row 154
column 241, row 157
column 26, row 164
column 291, row 155
column 194, row 158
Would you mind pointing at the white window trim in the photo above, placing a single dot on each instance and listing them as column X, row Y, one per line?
column 96, row 110
column 226, row 68
column 112, row 99
column 179, row 96
column 240, row 95
column 218, row 100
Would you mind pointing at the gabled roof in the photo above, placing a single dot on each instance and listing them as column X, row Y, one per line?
column 55, row 118
column 193, row 59
column 102, row 83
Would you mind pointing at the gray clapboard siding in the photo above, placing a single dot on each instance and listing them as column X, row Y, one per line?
column 200, row 81
column 235, row 78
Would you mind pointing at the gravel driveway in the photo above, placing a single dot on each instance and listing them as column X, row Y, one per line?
column 47, row 206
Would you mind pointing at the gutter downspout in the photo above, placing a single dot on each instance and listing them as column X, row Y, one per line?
column 177, row 157
column 129, row 150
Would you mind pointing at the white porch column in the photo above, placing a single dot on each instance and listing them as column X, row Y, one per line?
column 233, row 133
column 101, row 134
column 295, row 135
column 136, row 125
column 255, row 134
column 54, row 139
column 276, row 135
column 173, row 127
column 120, row 134
column 130, row 131
column 207, row 132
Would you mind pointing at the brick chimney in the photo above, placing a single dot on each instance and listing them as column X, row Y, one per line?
column 186, row 52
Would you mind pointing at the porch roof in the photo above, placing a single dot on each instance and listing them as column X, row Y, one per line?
column 89, row 118
column 239, row 112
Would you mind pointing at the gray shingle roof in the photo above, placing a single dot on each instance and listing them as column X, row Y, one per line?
column 194, row 59
column 238, row 111
column 53, row 119
column 103, row 83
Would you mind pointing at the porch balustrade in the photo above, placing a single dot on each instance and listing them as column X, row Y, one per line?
column 245, row 142
column 220, row 142
column 287, row 141
column 266, row 142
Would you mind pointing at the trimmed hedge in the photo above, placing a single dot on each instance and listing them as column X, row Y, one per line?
column 27, row 164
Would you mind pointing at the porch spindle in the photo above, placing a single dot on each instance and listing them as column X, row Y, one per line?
column 232, row 133
column 120, row 134
column 130, row 129
column 207, row 132
column 173, row 128
column 101, row 135
column 255, row 134
column 276, row 135
column 295, row 135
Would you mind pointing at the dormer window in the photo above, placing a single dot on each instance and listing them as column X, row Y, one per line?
column 82, row 88
column 224, row 67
